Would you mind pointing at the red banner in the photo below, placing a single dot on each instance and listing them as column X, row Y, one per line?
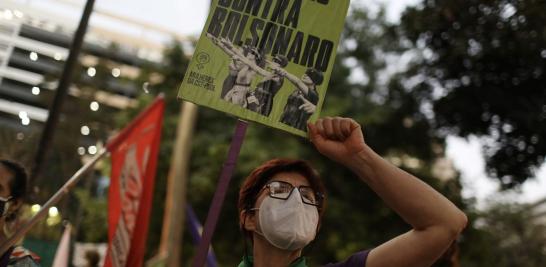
column 134, row 159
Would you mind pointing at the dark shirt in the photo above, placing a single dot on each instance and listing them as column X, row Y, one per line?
column 265, row 92
column 293, row 115
column 4, row 260
column 356, row 260
column 229, row 82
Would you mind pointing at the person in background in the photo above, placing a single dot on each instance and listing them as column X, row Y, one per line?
column 247, row 62
column 13, row 182
column 267, row 89
column 281, row 204
column 92, row 257
column 301, row 104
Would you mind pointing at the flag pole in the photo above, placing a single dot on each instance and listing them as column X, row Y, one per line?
column 64, row 190
column 173, row 218
column 220, row 194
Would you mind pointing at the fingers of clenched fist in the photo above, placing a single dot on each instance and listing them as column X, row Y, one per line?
column 335, row 128
column 348, row 125
column 328, row 128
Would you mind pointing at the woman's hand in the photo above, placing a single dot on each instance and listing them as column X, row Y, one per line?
column 226, row 42
column 235, row 66
column 280, row 71
column 307, row 106
column 435, row 220
column 340, row 139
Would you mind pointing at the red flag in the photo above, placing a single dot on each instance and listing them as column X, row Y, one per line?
column 134, row 159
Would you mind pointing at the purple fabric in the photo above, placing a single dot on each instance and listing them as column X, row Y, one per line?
column 5, row 258
column 194, row 225
column 356, row 260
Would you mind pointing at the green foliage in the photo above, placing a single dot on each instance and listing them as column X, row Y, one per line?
column 62, row 160
column 505, row 235
column 46, row 230
column 393, row 126
column 483, row 70
column 397, row 124
column 171, row 73
column 15, row 147
column 93, row 228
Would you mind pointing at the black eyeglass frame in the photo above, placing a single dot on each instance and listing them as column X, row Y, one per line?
column 318, row 195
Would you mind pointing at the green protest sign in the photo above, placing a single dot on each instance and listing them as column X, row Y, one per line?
column 267, row 61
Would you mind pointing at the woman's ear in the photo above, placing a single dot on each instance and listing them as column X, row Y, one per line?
column 248, row 220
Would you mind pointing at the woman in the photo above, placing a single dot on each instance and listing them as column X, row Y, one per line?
column 245, row 65
column 13, row 182
column 302, row 102
column 280, row 220
column 269, row 87
column 238, row 93
column 234, row 67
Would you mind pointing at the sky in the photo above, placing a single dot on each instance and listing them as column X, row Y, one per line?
column 466, row 155
column 183, row 16
column 187, row 17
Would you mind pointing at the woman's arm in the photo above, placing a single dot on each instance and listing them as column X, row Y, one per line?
column 268, row 75
column 436, row 221
column 235, row 54
column 222, row 45
column 307, row 106
column 293, row 79
column 252, row 65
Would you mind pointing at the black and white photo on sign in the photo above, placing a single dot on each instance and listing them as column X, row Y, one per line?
column 247, row 62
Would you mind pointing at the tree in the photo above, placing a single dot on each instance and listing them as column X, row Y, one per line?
column 19, row 142
column 483, row 70
column 167, row 77
column 394, row 126
column 506, row 235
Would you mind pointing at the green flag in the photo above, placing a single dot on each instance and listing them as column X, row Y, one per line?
column 267, row 61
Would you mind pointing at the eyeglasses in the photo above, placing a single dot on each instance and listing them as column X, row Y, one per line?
column 283, row 190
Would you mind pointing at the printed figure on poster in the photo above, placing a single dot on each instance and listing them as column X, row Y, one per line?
column 267, row 61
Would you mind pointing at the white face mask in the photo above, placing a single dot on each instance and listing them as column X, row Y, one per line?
column 288, row 224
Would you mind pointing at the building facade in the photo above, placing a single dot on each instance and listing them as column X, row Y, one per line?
column 34, row 44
